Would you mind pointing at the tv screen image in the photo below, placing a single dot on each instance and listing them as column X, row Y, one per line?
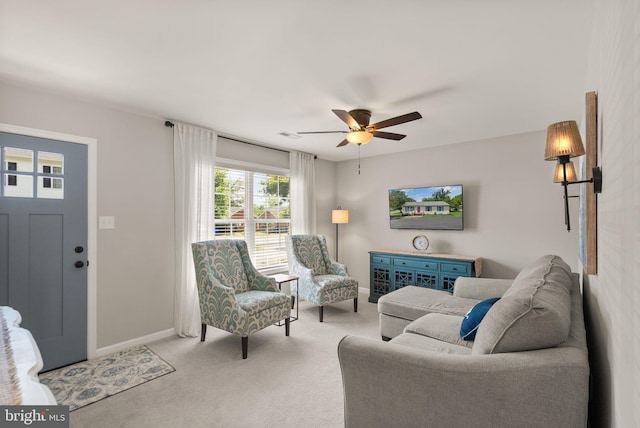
column 429, row 208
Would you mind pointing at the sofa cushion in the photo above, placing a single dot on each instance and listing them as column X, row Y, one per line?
column 412, row 302
column 534, row 313
column 429, row 344
column 472, row 319
column 442, row 327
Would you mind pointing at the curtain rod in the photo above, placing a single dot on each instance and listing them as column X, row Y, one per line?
column 171, row 125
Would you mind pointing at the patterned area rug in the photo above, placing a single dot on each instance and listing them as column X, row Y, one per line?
column 87, row 382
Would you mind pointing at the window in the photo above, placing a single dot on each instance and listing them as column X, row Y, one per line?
column 254, row 206
column 21, row 175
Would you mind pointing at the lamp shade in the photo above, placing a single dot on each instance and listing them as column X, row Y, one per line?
column 359, row 137
column 558, row 176
column 563, row 139
column 340, row 216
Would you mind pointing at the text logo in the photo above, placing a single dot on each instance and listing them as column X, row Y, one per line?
column 34, row 416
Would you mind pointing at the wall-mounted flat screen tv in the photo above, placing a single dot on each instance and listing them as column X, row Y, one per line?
column 432, row 208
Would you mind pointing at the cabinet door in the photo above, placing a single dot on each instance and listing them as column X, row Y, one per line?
column 380, row 280
column 427, row 279
column 403, row 277
column 447, row 282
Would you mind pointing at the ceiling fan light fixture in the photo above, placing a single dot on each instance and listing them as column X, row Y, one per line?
column 359, row 137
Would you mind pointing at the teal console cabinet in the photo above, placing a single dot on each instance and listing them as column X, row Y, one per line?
column 391, row 270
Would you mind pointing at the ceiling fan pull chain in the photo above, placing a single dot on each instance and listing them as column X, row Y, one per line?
column 359, row 158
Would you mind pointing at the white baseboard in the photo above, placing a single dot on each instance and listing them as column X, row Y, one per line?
column 101, row 352
column 363, row 290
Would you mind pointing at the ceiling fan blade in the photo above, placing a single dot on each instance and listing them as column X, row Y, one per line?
column 343, row 143
column 388, row 135
column 323, row 132
column 396, row 120
column 347, row 118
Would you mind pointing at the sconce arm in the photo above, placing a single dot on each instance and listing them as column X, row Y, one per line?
column 596, row 179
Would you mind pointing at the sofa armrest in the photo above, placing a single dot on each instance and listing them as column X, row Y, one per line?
column 480, row 288
column 386, row 384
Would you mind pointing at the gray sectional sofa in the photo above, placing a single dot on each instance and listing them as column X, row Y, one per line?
column 527, row 367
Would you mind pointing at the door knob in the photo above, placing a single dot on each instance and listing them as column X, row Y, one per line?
column 79, row 264
column 78, row 249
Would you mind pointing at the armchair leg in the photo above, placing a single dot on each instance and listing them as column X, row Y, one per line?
column 287, row 323
column 245, row 346
column 321, row 312
column 203, row 332
column 293, row 302
column 355, row 304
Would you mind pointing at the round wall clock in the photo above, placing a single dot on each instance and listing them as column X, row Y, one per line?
column 420, row 243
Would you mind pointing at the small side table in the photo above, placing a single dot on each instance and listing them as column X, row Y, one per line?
column 281, row 279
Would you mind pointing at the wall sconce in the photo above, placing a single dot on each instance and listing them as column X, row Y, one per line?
column 564, row 142
column 339, row 216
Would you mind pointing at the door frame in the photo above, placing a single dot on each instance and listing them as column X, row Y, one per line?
column 92, row 220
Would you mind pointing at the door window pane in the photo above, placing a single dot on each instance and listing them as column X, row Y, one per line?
column 18, row 185
column 50, row 163
column 20, row 160
column 50, row 188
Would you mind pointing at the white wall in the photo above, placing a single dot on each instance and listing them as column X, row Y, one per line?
column 513, row 212
column 612, row 297
column 135, row 184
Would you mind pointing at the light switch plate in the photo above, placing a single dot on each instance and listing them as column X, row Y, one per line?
column 107, row 222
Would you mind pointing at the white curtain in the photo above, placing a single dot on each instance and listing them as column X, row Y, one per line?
column 302, row 193
column 194, row 156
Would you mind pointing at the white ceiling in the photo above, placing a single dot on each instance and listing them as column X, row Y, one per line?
column 252, row 69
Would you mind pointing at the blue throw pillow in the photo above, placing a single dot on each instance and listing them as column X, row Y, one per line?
column 472, row 320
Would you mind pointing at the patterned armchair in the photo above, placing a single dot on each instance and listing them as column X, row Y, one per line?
column 321, row 280
column 234, row 296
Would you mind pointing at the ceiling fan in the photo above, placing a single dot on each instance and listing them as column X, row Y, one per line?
column 360, row 132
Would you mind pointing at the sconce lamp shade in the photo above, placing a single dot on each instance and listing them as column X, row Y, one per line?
column 563, row 140
column 340, row 216
column 359, row 137
column 558, row 176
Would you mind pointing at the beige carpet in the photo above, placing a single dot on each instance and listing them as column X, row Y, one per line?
column 286, row 381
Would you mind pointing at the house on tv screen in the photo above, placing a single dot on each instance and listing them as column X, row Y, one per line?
column 425, row 207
